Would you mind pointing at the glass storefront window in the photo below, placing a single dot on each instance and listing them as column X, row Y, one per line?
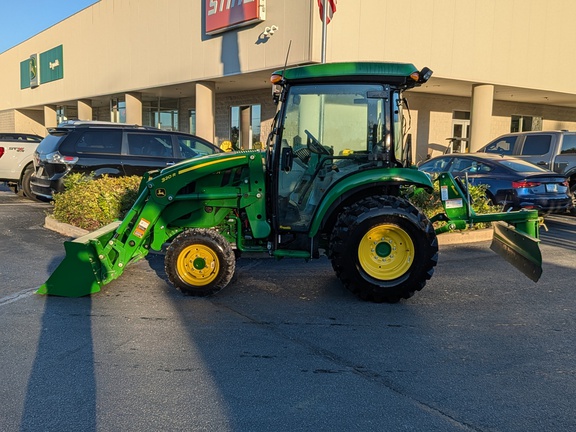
column 192, row 120
column 161, row 114
column 256, row 119
column 245, row 129
column 117, row 111
column 64, row 113
column 235, row 127
column 519, row 123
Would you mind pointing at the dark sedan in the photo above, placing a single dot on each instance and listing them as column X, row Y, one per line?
column 512, row 182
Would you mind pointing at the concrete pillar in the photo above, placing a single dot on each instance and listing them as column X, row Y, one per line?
column 481, row 115
column 50, row 117
column 84, row 109
column 206, row 110
column 245, row 127
column 133, row 108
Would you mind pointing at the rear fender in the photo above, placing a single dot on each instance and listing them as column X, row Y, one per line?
column 353, row 183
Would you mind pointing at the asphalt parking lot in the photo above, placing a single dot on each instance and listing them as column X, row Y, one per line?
column 286, row 347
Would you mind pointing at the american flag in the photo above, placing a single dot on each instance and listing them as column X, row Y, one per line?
column 331, row 5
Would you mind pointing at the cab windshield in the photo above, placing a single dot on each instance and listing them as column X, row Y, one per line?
column 343, row 118
column 328, row 131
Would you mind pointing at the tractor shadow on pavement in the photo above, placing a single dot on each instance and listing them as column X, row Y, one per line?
column 62, row 385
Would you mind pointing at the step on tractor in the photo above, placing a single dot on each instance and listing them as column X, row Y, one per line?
column 331, row 180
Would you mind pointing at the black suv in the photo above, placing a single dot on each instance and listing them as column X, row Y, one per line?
column 115, row 149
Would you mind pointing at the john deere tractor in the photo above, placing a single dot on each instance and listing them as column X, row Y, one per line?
column 330, row 181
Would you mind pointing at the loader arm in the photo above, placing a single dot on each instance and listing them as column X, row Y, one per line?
column 198, row 193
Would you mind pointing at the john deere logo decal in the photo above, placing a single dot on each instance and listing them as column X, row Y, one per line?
column 33, row 63
column 160, row 193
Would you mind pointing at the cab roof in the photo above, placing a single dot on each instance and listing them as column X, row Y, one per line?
column 396, row 73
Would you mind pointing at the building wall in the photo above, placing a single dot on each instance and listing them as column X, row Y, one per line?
column 434, row 121
column 554, row 118
column 226, row 101
column 511, row 42
column 514, row 42
column 117, row 46
column 432, row 115
column 120, row 46
column 7, row 122
column 30, row 121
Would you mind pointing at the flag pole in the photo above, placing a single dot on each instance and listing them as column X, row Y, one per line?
column 324, row 28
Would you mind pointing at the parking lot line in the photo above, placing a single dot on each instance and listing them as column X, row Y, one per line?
column 17, row 296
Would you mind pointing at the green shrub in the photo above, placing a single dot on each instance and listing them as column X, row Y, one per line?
column 92, row 203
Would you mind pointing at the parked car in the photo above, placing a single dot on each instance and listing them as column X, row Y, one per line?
column 115, row 149
column 554, row 150
column 512, row 183
column 16, row 160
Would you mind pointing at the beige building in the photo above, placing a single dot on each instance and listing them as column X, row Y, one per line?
column 203, row 66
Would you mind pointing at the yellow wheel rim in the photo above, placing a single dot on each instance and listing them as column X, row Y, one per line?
column 386, row 252
column 198, row 265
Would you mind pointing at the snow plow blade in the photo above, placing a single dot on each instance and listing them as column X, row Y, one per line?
column 81, row 271
column 519, row 249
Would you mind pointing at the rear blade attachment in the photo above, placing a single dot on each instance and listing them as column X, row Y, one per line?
column 81, row 271
column 519, row 249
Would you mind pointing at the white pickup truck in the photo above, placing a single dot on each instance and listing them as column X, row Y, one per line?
column 16, row 166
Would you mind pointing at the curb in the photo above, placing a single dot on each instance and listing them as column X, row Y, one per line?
column 452, row 238
column 64, row 228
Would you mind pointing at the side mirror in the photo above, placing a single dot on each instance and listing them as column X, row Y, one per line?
column 425, row 75
column 287, row 158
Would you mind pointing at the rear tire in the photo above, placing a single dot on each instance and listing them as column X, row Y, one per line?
column 383, row 249
column 24, row 188
column 200, row 262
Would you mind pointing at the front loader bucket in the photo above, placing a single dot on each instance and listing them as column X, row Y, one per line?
column 80, row 273
column 519, row 249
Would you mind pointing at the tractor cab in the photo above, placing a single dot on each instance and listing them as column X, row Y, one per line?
column 333, row 121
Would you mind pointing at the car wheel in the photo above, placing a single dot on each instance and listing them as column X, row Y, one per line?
column 24, row 188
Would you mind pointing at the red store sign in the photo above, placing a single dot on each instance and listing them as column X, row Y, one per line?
column 222, row 15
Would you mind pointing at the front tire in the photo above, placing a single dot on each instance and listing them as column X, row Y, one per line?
column 383, row 249
column 200, row 262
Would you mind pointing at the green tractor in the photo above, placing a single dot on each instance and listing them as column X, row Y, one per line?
column 329, row 181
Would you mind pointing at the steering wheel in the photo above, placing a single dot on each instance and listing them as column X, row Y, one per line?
column 314, row 145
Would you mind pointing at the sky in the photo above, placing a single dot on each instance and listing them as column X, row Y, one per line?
column 22, row 19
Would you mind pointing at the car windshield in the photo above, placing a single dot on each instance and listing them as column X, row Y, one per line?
column 521, row 166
